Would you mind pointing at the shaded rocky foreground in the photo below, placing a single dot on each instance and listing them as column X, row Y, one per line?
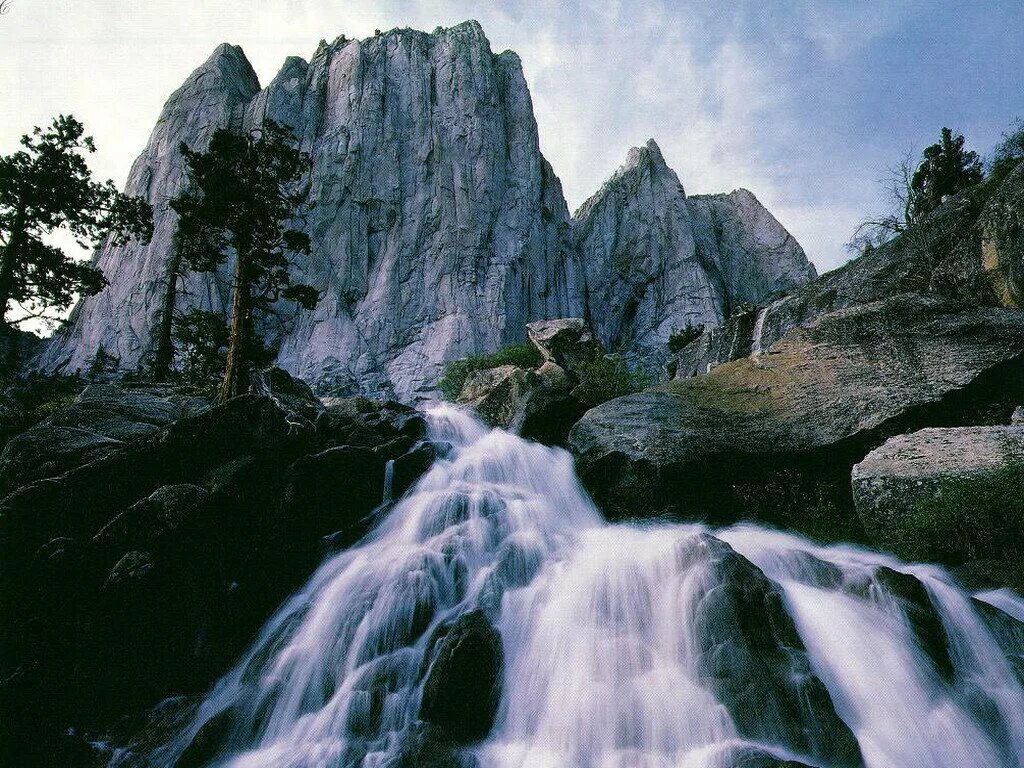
column 489, row 618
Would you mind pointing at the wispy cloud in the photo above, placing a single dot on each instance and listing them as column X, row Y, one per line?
column 804, row 102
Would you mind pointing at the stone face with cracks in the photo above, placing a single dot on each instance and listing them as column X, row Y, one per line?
column 439, row 230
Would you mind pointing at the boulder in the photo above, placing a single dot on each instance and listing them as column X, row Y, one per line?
column 100, row 421
column 463, row 684
column 537, row 404
column 774, row 437
column 171, row 510
column 750, row 655
column 496, row 394
column 145, row 572
column 293, row 396
column 951, row 495
column 563, row 341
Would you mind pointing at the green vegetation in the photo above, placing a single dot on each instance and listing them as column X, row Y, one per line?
column 243, row 200
column 457, row 371
column 946, row 169
column 982, row 515
column 604, row 377
column 45, row 188
column 681, row 337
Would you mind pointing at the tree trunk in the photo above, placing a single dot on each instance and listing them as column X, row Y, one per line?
column 7, row 263
column 241, row 307
column 163, row 347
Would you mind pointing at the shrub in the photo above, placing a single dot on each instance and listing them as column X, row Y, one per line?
column 682, row 337
column 201, row 340
column 457, row 371
column 604, row 377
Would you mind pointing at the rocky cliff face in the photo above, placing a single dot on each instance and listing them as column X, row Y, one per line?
column 657, row 260
column 439, row 229
column 121, row 317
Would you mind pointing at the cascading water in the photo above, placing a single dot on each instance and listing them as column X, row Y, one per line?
column 624, row 646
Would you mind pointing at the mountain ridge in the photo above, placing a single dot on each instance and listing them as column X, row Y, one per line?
column 440, row 228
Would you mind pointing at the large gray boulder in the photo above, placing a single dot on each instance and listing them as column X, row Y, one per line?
column 775, row 436
column 954, row 495
column 103, row 419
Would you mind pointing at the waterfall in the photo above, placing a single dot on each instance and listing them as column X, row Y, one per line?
column 650, row 645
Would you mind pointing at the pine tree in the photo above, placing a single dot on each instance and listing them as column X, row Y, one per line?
column 46, row 187
column 242, row 199
column 945, row 170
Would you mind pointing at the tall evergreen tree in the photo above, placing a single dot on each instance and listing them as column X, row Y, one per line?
column 947, row 168
column 244, row 196
column 47, row 187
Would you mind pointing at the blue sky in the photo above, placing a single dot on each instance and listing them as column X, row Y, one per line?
column 805, row 103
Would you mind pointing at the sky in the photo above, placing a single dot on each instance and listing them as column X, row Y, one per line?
column 804, row 103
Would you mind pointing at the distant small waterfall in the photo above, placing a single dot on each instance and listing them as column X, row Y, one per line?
column 625, row 646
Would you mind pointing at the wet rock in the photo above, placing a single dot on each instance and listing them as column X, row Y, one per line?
column 913, row 600
column 949, row 495
column 751, row 657
column 463, row 685
column 753, row 757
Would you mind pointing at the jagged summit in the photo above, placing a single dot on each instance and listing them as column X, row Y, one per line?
column 657, row 261
column 439, row 230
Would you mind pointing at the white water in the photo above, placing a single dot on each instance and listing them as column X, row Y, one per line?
column 616, row 639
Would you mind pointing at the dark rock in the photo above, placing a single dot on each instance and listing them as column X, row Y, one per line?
column 564, row 342
column 362, row 422
column 752, row 658
column 149, row 522
column 427, row 746
column 333, row 489
column 101, row 420
column 293, row 396
column 753, row 757
column 774, row 437
column 537, row 404
column 463, row 685
column 144, row 573
column 922, row 618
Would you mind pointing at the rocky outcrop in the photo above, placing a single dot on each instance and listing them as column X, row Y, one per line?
column 775, row 436
column 439, row 230
column 142, row 571
column 121, row 318
column 658, row 261
column 970, row 249
column 952, row 495
column 749, row 654
column 463, row 685
column 539, row 403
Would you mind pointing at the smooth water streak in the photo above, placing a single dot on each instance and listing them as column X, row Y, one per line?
column 626, row 645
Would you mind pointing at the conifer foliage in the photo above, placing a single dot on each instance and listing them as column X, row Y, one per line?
column 244, row 202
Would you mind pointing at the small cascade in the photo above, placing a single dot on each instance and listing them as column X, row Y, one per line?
column 621, row 646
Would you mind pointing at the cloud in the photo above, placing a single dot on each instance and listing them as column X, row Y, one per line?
column 804, row 103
